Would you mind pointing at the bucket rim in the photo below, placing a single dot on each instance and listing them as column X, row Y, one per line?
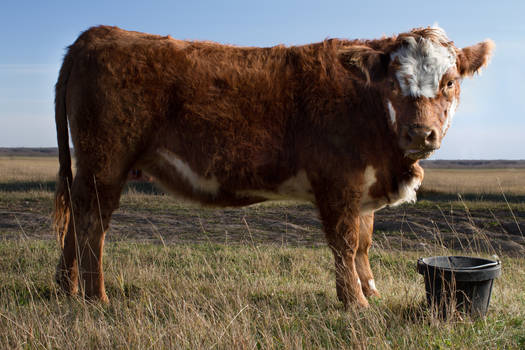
column 428, row 265
column 428, row 261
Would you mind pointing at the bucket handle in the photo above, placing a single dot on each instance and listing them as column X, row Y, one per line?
column 495, row 263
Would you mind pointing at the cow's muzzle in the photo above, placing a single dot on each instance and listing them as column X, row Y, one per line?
column 419, row 142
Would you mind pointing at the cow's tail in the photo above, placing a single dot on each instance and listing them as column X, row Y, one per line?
column 62, row 213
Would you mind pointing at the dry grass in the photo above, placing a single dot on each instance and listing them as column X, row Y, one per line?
column 475, row 181
column 238, row 297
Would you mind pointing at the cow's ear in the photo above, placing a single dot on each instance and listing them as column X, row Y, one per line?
column 473, row 58
column 368, row 64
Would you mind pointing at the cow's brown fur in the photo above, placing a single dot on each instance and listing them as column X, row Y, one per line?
column 243, row 121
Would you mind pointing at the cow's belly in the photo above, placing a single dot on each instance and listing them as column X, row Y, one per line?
column 296, row 187
column 178, row 176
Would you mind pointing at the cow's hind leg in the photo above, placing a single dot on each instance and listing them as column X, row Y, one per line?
column 93, row 202
column 67, row 269
column 364, row 271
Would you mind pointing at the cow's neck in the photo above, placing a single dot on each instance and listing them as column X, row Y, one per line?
column 390, row 178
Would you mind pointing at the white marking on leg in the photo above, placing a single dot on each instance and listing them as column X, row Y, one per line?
column 422, row 63
column 450, row 115
column 392, row 113
column 359, row 281
column 372, row 284
column 198, row 182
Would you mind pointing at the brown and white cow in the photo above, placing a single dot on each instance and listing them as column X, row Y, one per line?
column 339, row 123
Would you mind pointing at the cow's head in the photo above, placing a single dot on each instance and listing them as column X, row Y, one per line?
column 418, row 74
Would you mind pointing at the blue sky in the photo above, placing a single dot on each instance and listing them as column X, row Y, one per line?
column 489, row 123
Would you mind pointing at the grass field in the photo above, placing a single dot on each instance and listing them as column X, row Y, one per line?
column 255, row 278
column 238, row 297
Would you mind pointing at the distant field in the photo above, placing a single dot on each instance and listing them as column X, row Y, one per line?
column 473, row 164
column 24, row 169
column 475, row 181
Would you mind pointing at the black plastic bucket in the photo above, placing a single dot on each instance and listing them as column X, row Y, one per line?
column 458, row 283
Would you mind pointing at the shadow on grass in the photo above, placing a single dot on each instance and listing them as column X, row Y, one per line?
column 25, row 186
column 474, row 197
column 125, row 291
column 25, row 294
column 411, row 312
column 295, row 302
column 50, row 186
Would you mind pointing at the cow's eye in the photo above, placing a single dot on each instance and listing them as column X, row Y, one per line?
column 450, row 83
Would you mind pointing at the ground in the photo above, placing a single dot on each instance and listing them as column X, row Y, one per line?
column 488, row 227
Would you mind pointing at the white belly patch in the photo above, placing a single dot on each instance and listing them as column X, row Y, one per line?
column 199, row 183
column 295, row 187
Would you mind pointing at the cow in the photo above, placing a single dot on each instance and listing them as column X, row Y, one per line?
column 339, row 123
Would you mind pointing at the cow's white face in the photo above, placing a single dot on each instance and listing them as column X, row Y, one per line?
column 421, row 64
column 418, row 74
column 424, row 92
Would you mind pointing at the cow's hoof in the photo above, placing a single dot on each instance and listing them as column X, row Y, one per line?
column 372, row 293
column 102, row 299
column 359, row 303
column 356, row 305
column 65, row 282
column 362, row 303
column 96, row 295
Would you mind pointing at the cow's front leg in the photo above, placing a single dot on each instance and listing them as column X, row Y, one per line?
column 340, row 216
column 366, row 227
column 344, row 242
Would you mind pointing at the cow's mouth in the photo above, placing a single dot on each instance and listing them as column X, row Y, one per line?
column 417, row 154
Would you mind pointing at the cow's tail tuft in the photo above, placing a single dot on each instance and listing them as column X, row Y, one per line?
column 62, row 212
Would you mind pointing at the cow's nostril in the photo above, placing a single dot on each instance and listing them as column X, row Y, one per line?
column 432, row 136
column 418, row 135
column 421, row 137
